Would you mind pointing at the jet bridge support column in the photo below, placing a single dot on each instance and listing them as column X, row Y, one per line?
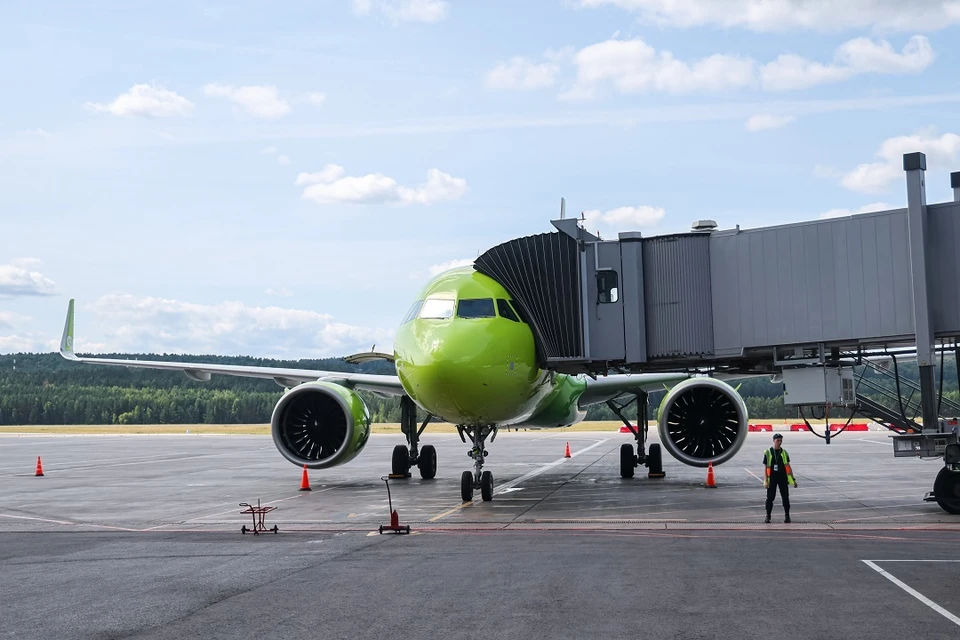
column 915, row 164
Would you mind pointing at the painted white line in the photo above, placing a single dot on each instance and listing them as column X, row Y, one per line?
column 916, row 594
column 508, row 485
column 753, row 474
column 886, row 444
column 912, row 561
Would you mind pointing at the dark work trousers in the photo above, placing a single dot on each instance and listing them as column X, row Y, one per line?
column 784, row 494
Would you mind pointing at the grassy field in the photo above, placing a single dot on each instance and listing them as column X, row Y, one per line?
column 264, row 429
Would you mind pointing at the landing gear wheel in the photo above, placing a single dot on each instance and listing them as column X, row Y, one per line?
column 655, row 459
column 486, row 486
column 466, row 486
column 946, row 490
column 401, row 460
column 428, row 462
column 627, row 460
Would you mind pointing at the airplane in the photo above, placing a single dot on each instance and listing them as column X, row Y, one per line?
column 464, row 355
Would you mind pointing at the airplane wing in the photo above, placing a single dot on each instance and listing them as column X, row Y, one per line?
column 609, row 387
column 379, row 384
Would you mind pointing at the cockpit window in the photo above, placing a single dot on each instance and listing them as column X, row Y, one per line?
column 475, row 308
column 436, row 308
column 506, row 311
column 414, row 310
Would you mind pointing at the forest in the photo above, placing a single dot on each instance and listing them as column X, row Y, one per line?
column 45, row 389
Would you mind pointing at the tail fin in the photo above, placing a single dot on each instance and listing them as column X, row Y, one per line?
column 66, row 342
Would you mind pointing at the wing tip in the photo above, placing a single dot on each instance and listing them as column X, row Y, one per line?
column 66, row 340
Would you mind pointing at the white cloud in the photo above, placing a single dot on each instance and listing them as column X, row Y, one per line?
column 941, row 152
column 867, row 208
column 763, row 121
column 403, row 10
column 633, row 66
column 284, row 160
column 854, row 57
column 331, row 185
column 35, row 133
column 263, row 101
column 16, row 279
column 145, row 324
column 316, row 98
column 779, row 15
column 623, row 218
column 145, row 100
column 437, row 269
column 268, row 151
column 282, row 292
column 522, row 73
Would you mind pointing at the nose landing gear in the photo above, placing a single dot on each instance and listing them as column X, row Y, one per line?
column 476, row 479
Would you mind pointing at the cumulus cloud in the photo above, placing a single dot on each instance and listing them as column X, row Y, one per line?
column 622, row 218
column 17, row 279
column 437, row 269
column 316, row 98
column 145, row 324
column 403, row 10
column 146, row 101
column 16, row 337
column 522, row 73
column 282, row 292
column 262, row 101
column 941, row 151
column 633, row 66
column 331, row 185
column 867, row 208
column 781, row 15
column 763, row 121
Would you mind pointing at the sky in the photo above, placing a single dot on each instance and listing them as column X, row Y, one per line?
column 279, row 179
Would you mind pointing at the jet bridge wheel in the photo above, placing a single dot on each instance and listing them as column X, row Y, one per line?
column 427, row 462
column 466, row 486
column 401, row 461
column 946, row 490
column 627, row 460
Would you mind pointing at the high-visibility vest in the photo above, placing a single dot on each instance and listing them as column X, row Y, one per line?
column 786, row 464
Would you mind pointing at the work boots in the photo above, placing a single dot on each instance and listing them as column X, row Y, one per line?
column 767, row 519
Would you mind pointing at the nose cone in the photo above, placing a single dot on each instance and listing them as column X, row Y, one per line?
column 467, row 371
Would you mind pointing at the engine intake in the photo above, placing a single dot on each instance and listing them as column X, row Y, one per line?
column 320, row 425
column 702, row 420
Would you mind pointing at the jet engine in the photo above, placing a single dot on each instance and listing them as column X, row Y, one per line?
column 320, row 425
column 702, row 420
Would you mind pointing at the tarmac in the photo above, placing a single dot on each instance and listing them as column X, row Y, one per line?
column 139, row 536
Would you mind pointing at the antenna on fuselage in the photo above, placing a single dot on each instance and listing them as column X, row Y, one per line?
column 563, row 208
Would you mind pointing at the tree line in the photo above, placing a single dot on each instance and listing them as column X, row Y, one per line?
column 45, row 389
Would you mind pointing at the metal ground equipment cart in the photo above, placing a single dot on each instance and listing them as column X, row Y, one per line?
column 257, row 513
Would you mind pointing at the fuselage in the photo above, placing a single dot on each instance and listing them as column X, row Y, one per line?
column 464, row 354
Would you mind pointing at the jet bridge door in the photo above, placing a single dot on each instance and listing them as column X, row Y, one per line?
column 603, row 303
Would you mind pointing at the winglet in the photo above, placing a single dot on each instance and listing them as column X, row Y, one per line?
column 66, row 342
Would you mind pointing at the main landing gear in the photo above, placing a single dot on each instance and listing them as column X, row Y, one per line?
column 628, row 460
column 404, row 458
column 470, row 480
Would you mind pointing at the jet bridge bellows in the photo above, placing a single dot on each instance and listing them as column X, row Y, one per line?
column 739, row 299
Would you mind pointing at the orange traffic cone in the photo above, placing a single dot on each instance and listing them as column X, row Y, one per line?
column 566, row 453
column 711, row 483
column 39, row 467
column 305, row 481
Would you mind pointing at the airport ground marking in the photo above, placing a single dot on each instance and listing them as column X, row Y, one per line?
column 507, row 486
column 913, row 592
column 753, row 474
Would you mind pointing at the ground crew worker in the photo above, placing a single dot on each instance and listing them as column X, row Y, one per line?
column 777, row 473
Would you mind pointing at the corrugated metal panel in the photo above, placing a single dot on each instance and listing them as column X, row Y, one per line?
column 678, row 303
column 542, row 274
column 943, row 227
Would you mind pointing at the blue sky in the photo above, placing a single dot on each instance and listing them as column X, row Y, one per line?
column 280, row 178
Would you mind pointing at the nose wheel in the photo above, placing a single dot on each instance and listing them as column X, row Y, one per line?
column 477, row 479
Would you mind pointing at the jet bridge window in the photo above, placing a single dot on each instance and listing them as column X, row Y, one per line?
column 607, row 286
column 437, row 309
column 476, row 308
column 506, row 311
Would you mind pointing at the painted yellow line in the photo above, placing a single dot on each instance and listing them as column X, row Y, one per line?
column 463, row 505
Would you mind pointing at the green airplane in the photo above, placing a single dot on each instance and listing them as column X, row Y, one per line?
column 464, row 355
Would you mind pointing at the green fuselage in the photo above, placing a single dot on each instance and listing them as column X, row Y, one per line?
column 473, row 362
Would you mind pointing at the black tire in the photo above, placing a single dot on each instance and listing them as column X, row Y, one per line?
column 427, row 463
column 401, row 460
column 466, row 486
column 486, row 486
column 627, row 460
column 243, row 529
column 946, row 489
column 655, row 459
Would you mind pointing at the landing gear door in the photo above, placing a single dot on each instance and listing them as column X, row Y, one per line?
column 603, row 304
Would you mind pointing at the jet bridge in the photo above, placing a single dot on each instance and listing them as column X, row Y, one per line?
column 804, row 301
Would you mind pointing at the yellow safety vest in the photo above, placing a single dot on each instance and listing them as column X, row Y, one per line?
column 786, row 465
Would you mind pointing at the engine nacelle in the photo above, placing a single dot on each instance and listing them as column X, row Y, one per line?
column 702, row 420
column 320, row 424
